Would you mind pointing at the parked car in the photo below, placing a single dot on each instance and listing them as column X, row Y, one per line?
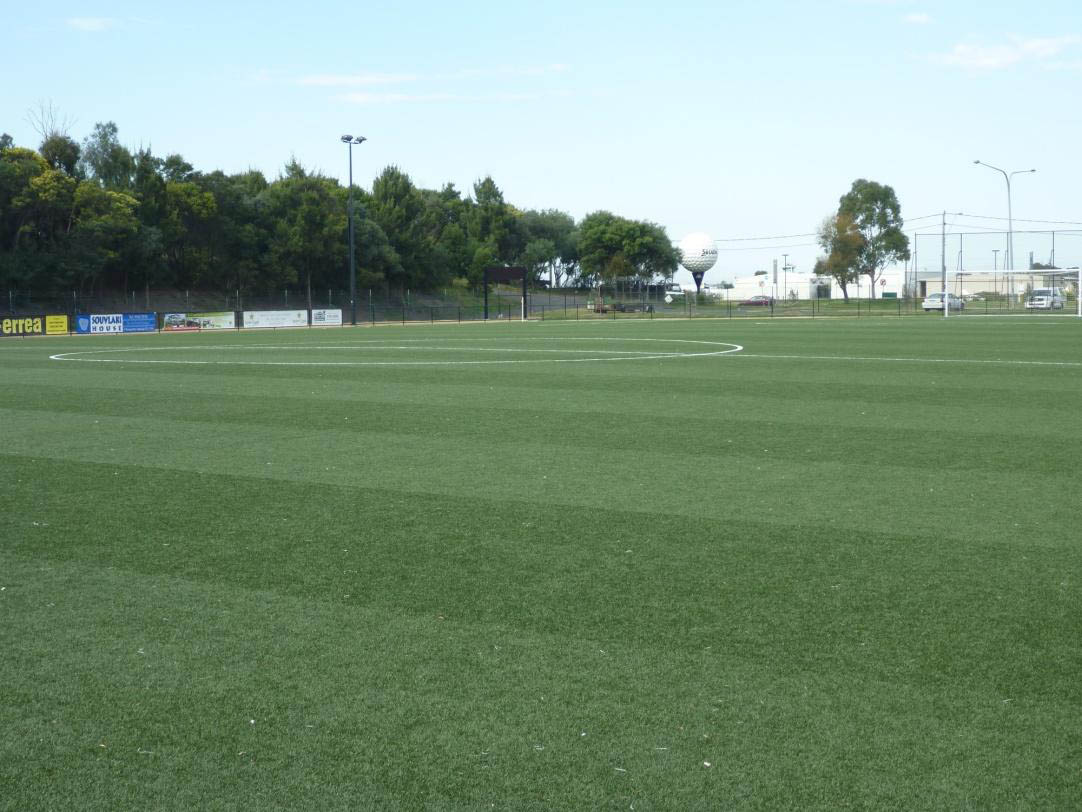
column 934, row 301
column 757, row 301
column 1046, row 299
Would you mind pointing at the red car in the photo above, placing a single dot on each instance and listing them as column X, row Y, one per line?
column 757, row 301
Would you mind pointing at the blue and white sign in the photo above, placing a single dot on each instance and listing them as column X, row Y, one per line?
column 107, row 323
column 140, row 322
column 116, row 323
column 100, row 323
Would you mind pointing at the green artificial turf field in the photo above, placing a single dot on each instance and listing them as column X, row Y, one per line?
column 544, row 565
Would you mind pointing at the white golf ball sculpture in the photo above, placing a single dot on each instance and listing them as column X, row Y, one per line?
column 698, row 255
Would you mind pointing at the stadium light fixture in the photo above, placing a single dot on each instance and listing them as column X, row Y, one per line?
column 1010, row 216
column 349, row 141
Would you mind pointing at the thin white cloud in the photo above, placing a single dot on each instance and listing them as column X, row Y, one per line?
column 434, row 98
column 1036, row 50
column 918, row 18
column 372, row 79
column 1066, row 65
column 90, row 23
column 261, row 76
column 357, row 79
column 506, row 70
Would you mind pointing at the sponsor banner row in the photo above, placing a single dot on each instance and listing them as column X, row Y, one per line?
column 116, row 323
column 292, row 318
column 186, row 322
column 227, row 320
column 34, row 326
column 99, row 323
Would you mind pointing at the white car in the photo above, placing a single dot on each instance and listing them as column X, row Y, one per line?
column 934, row 301
column 1045, row 299
column 673, row 289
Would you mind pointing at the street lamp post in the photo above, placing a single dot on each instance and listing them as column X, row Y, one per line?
column 350, row 141
column 1010, row 216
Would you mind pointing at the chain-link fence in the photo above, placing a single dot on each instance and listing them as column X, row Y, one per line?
column 990, row 250
column 374, row 307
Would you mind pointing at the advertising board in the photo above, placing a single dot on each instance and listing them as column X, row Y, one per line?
column 186, row 322
column 56, row 325
column 97, row 323
column 33, row 326
column 326, row 318
column 140, row 322
column 276, row 318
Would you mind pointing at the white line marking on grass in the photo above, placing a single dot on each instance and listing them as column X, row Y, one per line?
column 912, row 360
column 414, row 345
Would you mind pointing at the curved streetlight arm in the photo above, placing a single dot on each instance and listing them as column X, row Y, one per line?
column 982, row 163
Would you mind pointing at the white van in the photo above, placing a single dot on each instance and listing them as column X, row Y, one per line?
column 1046, row 299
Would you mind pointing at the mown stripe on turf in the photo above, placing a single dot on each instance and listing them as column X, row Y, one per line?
column 869, row 493
column 766, row 591
column 160, row 692
column 851, row 430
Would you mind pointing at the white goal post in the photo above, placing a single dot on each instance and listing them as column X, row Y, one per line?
column 1032, row 290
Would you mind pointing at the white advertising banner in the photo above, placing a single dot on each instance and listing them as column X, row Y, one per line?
column 275, row 318
column 221, row 320
column 107, row 323
column 178, row 322
column 326, row 318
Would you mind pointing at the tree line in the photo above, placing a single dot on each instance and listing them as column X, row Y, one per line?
column 97, row 217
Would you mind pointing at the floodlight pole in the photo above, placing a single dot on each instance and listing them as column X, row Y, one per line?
column 349, row 140
column 1010, row 215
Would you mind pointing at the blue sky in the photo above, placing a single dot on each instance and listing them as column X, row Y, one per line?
column 741, row 119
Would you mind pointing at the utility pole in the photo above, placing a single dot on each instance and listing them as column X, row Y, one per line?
column 916, row 284
column 943, row 255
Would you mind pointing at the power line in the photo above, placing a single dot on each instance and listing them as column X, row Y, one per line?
column 771, row 247
column 758, row 239
column 906, row 220
column 1024, row 220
